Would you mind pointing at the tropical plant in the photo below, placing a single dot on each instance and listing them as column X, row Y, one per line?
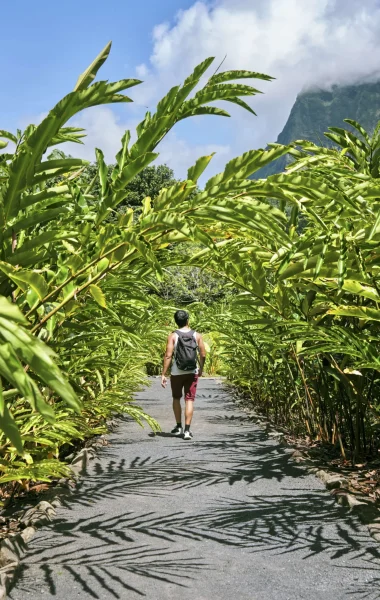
column 80, row 279
column 72, row 283
column 302, row 335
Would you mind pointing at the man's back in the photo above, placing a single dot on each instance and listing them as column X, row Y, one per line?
column 184, row 350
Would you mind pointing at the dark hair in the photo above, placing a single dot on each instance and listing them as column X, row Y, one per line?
column 181, row 317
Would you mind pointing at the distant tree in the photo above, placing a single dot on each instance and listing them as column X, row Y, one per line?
column 148, row 182
column 182, row 284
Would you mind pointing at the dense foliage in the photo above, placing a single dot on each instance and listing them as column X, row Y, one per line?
column 86, row 280
column 183, row 283
column 77, row 323
column 303, row 335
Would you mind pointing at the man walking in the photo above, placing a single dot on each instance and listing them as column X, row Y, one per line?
column 188, row 348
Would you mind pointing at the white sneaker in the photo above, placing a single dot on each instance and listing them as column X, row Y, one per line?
column 177, row 431
column 187, row 435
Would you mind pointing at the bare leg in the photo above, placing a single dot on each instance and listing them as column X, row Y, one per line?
column 177, row 409
column 189, row 409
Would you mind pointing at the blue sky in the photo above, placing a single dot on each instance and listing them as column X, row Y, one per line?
column 48, row 44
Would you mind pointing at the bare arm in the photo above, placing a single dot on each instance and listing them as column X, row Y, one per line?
column 167, row 358
column 202, row 354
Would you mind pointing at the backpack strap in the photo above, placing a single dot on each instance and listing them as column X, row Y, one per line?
column 179, row 332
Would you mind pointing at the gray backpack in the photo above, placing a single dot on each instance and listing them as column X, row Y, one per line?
column 186, row 351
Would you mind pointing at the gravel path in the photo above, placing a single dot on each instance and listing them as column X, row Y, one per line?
column 224, row 516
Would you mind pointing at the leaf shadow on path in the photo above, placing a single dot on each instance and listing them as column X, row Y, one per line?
column 105, row 553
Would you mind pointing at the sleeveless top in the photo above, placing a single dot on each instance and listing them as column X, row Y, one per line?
column 174, row 369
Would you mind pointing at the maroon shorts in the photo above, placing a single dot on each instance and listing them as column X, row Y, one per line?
column 187, row 383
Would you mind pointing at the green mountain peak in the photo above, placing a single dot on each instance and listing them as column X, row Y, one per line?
column 316, row 110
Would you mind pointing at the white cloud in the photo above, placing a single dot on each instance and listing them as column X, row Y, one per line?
column 104, row 130
column 142, row 70
column 311, row 41
column 303, row 43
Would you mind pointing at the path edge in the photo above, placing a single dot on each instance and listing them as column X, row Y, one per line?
column 13, row 549
column 337, row 485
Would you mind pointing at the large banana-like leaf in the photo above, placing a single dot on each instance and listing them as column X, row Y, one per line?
column 172, row 108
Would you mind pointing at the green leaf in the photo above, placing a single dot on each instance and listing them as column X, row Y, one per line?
column 360, row 312
column 9, row 426
column 68, row 134
column 44, row 238
column 40, row 358
column 12, row 370
column 98, row 295
column 166, row 102
column 242, row 104
column 36, row 219
column 51, row 194
column 102, row 171
column 89, row 74
column 354, row 287
column 151, row 136
column 374, row 227
column 122, row 155
column 63, row 165
column 9, row 136
column 203, row 110
column 232, row 75
column 25, row 279
column 250, row 162
column 11, row 311
column 146, row 207
column 196, row 171
column 321, row 257
column 359, row 128
column 132, row 169
column 191, row 81
column 342, row 262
